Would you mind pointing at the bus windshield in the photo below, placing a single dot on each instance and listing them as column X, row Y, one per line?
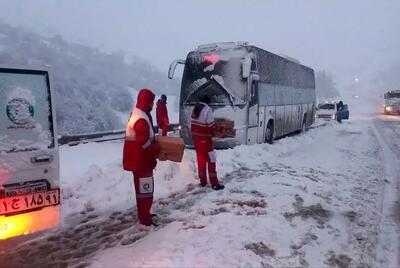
column 217, row 74
column 326, row 106
column 391, row 95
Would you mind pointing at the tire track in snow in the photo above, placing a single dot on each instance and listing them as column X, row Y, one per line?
column 74, row 246
column 388, row 247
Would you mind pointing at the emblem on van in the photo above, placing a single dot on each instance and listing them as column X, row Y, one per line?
column 19, row 111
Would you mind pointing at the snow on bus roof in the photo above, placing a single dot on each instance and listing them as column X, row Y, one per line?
column 221, row 45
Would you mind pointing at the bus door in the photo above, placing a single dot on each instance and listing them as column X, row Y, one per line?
column 261, row 124
column 253, row 125
column 261, row 115
column 29, row 161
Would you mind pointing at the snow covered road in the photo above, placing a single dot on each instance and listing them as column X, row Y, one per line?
column 326, row 198
column 388, row 244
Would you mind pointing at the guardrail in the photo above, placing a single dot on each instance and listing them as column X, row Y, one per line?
column 102, row 136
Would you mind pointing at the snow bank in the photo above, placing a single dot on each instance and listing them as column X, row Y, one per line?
column 296, row 203
column 308, row 200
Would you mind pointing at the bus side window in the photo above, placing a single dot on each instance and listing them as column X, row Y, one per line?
column 253, row 93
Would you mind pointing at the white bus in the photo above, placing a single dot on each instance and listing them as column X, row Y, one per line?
column 266, row 95
column 29, row 160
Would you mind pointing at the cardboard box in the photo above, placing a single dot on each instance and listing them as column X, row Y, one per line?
column 224, row 128
column 225, row 123
column 225, row 133
column 171, row 148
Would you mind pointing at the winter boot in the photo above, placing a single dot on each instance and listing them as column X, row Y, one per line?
column 218, row 187
column 153, row 223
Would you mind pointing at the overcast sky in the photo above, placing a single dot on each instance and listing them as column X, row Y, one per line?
column 345, row 37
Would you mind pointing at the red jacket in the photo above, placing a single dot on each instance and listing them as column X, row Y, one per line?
column 140, row 150
column 162, row 116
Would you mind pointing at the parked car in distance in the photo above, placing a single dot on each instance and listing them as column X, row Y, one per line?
column 326, row 111
column 332, row 111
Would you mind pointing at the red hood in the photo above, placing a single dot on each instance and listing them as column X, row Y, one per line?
column 144, row 100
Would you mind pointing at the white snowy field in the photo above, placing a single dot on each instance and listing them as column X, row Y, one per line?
column 320, row 199
column 313, row 199
column 308, row 200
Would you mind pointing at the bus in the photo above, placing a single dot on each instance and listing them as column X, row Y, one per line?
column 266, row 95
column 392, row 102
column 29, row 157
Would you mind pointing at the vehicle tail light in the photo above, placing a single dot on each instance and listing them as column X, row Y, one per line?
column 212, row 58
column 27, row 223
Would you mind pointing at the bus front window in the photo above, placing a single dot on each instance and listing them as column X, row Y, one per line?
column 218, row 75
column 392, row 95
column 216, row 91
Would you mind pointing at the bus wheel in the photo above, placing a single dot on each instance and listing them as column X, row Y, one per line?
column 269, row 133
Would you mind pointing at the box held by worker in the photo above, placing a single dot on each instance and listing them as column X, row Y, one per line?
column 171, row 148
column 224, row 128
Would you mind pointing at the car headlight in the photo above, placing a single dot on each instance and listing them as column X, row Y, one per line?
column 333, row 116
column 389, row 108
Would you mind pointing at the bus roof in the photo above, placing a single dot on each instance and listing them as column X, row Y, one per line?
column 231, row 45
column 272, row 68
column 221, row 45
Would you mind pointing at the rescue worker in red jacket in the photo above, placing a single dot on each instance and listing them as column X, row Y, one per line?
column 202, row 128
column 140, row 153
column 162, row 115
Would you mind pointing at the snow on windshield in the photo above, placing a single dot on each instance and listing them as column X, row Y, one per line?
column 221, row 65
column 20, row 92
column 24, row 120
column 220, row 81
column 326, row 106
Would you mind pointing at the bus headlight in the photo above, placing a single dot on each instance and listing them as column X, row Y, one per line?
column 388, row 108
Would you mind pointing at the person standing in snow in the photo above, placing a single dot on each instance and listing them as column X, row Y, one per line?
column 202, row 128
column 140, row 153
column 339, row 108
column 162, row 115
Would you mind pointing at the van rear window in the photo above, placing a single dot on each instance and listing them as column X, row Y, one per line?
column 25, row 112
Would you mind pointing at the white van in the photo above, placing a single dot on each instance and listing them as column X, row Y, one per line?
column 326, row 111
column 29, row 160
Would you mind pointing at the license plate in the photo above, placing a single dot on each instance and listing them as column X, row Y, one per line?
column 19, row 204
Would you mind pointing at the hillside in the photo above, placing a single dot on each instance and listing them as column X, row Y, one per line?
column 85, row 79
